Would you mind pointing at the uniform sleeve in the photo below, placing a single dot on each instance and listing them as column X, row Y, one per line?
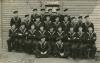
column 10, row 33
column 11, row 22
column 31, row 17
column 94, row 37
column 19, row 22
column 92, row 26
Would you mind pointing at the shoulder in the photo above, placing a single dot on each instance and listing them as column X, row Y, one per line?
column 94, row 32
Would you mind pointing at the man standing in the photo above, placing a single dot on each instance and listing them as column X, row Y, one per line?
column 91, row 38
column 87, row 24
column 42, row 48
column 15, row 20
column 42, row 15
column 59, row 49
column 33, row 16
column 12, row 38
column 80, row 23
column 27, row 22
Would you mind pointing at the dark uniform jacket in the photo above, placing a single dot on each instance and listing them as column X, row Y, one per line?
column 65, row 25
column 59, row 48
column 12, row 33
column 51, row 36
column 33, row 16
column 42, row 17
column 56, row 25
column 42, row 47
column 80, row 36
column 72, row 24
column 87, row 25
column 79, row 24
column 41, row 34
column 47, row 24
column 38, row 24
column 22, row 33
column 32, row 34
column 60, row 35
column 71, row 36
column 16, row 21
column 91, row 37
column 61, row 17
column 27, row 24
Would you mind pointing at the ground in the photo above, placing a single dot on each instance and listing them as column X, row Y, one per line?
column 15, row 57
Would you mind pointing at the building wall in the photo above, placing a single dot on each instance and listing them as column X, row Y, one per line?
column 95, row 17
column 0, row 23
column 76, row 8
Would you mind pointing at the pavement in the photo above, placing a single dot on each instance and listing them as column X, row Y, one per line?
column 16, row 57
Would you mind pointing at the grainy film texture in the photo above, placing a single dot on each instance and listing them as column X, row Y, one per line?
column 53, row 31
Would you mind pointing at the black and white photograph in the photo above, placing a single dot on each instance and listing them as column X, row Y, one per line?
column 49, row 31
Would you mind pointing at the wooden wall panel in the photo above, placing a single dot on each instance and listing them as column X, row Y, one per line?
column 95, row 17
column 0, row 19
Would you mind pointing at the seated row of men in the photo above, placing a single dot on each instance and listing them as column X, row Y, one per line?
column 56, row 42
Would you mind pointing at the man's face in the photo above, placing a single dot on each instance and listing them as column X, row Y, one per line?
column 71, row 29
column 58, row 12
column 13, row 27
column 43, row 40
column 73, row 20
column 54, row 13
column 41, row 28
column 27, row 17
column 87, row 19
column 50, row 11
column 43, row 11
column 38, row 12
column 22, row 26
column 59, row 29
column 59, row 42
column 66, row 18
column 90, row 29
column 35, row 12
column 47, row 18
column 32, row 27
column 80, row 19
column 51, row 29
column 57, row 19
column 16, row 15
column 80, row 28
column 37, row 19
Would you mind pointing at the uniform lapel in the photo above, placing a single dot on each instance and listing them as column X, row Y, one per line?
column 60, row 33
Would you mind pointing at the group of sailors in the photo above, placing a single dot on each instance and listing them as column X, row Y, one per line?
column 52, row 34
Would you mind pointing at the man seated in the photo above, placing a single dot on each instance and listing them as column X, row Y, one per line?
column 72, row 42
column 59, row 49
column 21, row 37
column 42, row 48
column 30, row 43
column 91, row 47
column 12, row 38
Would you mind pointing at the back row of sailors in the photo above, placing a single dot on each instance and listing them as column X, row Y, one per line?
column 63, row 20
